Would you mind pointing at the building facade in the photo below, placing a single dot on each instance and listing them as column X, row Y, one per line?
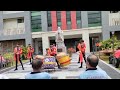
column 39, row 27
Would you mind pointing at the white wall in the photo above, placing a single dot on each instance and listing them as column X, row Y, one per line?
column 114, row 19
column 11, row 27
column 9, row 12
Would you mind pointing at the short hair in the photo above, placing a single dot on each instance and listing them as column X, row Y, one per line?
column 93, row 60
column 37, row 64
column 82, row 40
column 118, row 47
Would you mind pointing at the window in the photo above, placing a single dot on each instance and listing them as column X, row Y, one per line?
column 20, row 20
column 94, row 18
column 49, row 18
column 36, row 21
column 68, row 16
column 58, row 18
column 114, row 11
column 78, row 17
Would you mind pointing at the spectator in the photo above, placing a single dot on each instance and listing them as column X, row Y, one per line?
column 117, row 56
column 37, row 74
column 2, row 61
column 92, row 72
column 3, row 76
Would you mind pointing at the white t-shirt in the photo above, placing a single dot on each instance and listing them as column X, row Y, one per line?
column 3, row 77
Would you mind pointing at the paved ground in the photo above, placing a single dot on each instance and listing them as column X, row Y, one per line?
column 70, row 72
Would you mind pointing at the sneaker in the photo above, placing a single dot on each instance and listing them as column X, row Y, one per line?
column 80, row 67
column 15, row 69
column 78, row 62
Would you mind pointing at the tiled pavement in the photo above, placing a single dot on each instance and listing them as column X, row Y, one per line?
column 70, row 72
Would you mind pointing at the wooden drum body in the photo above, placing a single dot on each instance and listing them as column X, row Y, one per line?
column 63, row 59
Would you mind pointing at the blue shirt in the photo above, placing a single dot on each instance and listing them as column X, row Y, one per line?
column 94, row 74
column 38, row 75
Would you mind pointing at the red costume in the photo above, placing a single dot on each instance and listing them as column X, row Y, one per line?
column 80, row 55
column 83, row 47
column 48, row 52
column 18, row 52
column 117, row 54
column 30, row 51
column 53, row 51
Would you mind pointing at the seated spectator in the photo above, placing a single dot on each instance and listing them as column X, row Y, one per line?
column 117, row 53
column 117, row 56
column 92, row 72
column 3, row 76
column 2, row 60
column 37, row 74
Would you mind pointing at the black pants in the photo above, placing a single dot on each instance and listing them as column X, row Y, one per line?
column 31, row 59
column 83, row 53
column 16, row 56
column 57, row 61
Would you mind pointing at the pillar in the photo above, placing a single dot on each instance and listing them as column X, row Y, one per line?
column 45, row 43
column 36, row 46
column 85, row 37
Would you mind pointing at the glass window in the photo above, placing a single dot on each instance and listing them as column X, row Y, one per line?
column 49, row 19
column 20, row 20
column 114, row 11
column 78, row 16
column 59, row 18
column 36, row 21
column 68, row 17
column 94, row 18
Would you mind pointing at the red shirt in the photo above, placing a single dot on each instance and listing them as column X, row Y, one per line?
column 117, row 54
column 83, row 47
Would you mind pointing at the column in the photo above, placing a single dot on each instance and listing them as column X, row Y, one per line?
column 27, row 22
column 54, row 20
column 85, row 37
column 44, row 21
column 1, row 23
column 36, row 46
column 63, row 20
column 84, row 19
column 105, row 25
column 45, row 43
column 73, row 19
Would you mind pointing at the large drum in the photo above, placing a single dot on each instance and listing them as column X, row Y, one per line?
column 49, row 62
column 63, row 59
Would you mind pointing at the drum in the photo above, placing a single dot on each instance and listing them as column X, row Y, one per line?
column 63, row 59
column 49, row 62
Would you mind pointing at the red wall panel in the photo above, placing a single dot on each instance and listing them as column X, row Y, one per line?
column 54, row 20
column 63, row 20
column 73, row 20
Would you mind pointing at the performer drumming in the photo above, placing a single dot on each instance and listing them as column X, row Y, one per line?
column 30, row 51
column 80, row 54
column 83, row 47
column 54, row 53
column 17, row 56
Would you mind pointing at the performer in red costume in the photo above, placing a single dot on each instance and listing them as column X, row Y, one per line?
column 54, row 53
column 80, row 54
column 83, row 47
column 30, row 51
column 17, row 55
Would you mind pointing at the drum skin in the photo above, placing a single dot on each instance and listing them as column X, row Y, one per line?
column 49, row 62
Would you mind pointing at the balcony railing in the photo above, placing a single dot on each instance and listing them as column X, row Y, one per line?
column 13, row 31
column 114, row 19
